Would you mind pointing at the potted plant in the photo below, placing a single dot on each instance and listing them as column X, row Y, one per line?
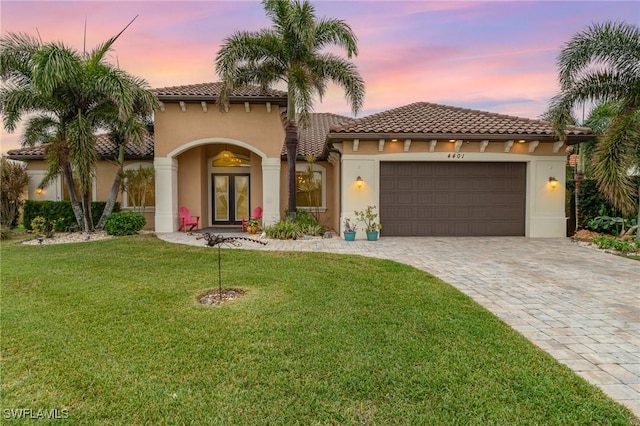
column 349, row 230
column 253, row 225
column 368, row 217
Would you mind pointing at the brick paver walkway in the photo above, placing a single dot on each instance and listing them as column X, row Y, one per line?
column 580, row 305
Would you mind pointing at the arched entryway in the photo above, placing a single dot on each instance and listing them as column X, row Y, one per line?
column 195, row 174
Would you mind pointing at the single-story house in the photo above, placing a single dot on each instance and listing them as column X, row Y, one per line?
column 431, row 170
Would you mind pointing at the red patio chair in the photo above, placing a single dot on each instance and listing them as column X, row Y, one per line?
column 187, row 220
column 255, row 214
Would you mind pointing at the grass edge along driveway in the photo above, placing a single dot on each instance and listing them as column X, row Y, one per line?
column 111, row 332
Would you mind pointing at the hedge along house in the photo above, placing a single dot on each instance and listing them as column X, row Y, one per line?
column 432, row 170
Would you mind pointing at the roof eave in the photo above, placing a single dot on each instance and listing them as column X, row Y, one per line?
column 443, row 136
column 22, row 157
column 576, row 139
column 334, row 136
column 126, row 157
column 233, row 99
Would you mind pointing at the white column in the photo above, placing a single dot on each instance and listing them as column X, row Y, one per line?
column 270, row 190
column 166, row 170
column 545, row 217
column 354, row 198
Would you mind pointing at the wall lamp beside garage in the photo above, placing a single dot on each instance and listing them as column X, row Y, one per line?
column 359, row 182
column 40, row 190
column 553, row 182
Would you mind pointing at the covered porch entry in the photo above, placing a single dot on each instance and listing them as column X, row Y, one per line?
column 220, row 180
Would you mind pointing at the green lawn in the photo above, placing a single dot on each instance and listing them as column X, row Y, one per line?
column 111, row 332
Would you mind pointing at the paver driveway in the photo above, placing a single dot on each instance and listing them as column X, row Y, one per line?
column 580, row 305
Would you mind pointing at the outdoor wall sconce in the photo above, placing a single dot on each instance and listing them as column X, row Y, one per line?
column 359, row 182
column 39, row 191
column 553, row 182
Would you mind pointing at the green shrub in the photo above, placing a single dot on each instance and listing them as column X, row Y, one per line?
column 284, row 230
column 606, row 242
column 592, row 204
column 61, row 212
column 607, row 224
column 43, row 227
column 312, row 229
column 124, row 223
column 304, row 224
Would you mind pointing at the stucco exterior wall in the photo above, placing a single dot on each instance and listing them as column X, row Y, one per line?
column 258, row 128
column 194, row 136
column 545, row 207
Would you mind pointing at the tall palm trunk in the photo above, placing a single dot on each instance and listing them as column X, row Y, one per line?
column 75, row 205
column 115, row 188
column 86, row 206
column 291, row 142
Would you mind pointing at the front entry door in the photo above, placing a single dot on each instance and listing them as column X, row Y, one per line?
column 230, row 198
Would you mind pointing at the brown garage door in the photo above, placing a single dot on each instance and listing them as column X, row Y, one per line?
column 452, row 199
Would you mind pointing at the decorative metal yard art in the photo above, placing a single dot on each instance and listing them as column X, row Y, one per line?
column 214, row 240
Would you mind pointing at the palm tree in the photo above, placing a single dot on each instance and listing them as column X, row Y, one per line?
column 122, row 134
column 602, row 64
column 14, row 180
column 292, row 52
column 69, row 95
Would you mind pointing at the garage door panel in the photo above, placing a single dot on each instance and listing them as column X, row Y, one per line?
column 457, row 199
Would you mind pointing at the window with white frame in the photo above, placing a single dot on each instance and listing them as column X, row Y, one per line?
column 138, row 187
column 311, row 182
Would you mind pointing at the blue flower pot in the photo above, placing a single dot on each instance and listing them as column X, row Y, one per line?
column 372, row 235
column 349, row 236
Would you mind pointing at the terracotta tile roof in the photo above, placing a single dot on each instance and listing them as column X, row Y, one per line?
column 313, row 140
column 424, row 118
column 211, row 91
column 104, row 147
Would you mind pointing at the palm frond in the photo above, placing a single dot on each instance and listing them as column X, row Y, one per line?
column 16, row 101
column 617, row 152
column 613, row 45
column 16, row 53
column 339, row 33
column 82, row 154
column 345, row 74
column 96, row 56
column 39, row 129
column 601, row 117
column 301, row 94
column 55, row 65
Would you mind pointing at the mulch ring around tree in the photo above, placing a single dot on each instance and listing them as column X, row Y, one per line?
column 216, row 297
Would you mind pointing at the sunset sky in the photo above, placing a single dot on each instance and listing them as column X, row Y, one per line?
column 496, row 56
